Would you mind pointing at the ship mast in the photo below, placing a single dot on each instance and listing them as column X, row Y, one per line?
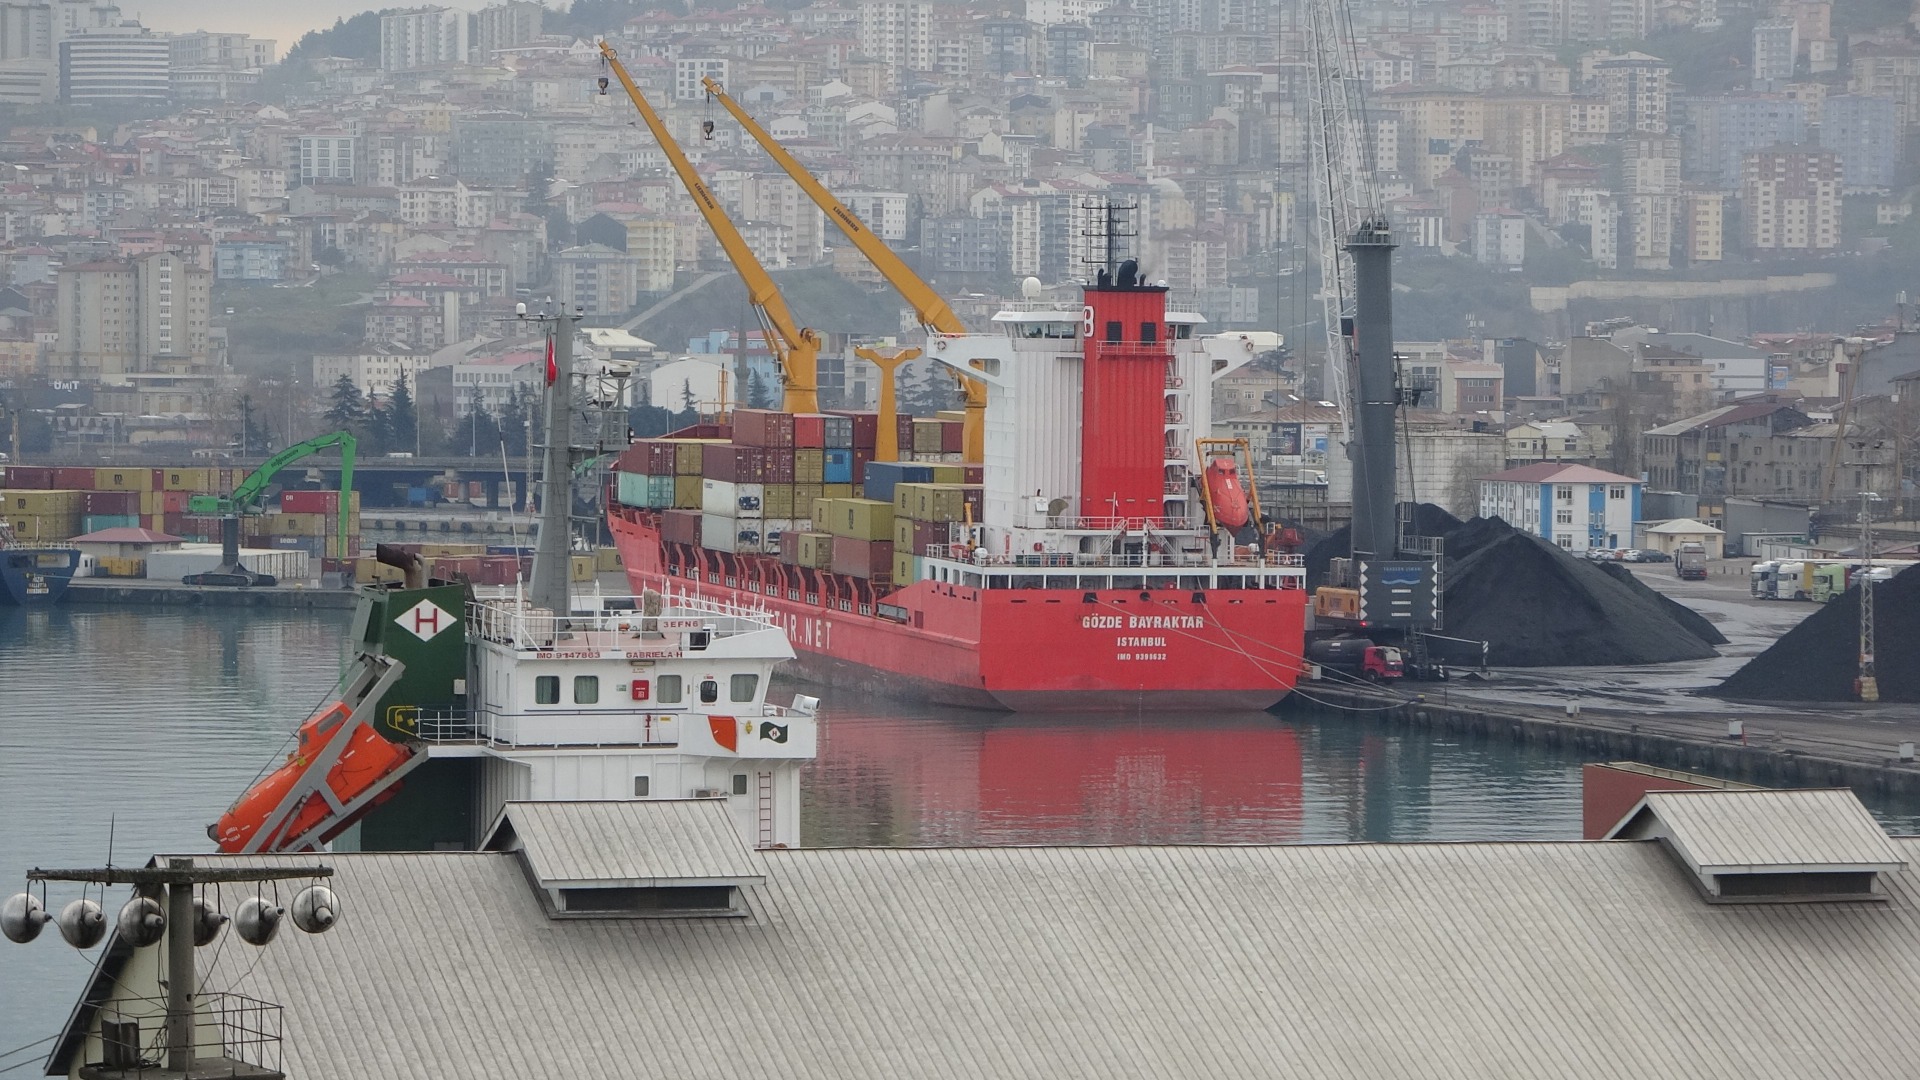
column 551, row 574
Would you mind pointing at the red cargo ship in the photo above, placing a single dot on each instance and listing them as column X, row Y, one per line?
column 1085, row 571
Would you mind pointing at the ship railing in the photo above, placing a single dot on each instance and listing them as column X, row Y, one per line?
column 1067, row 523
column 525, row 626
column 1066, row 560
column 441, row 725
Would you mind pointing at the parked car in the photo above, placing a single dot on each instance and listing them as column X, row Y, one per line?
column 1655, row 556
column 1634, row 555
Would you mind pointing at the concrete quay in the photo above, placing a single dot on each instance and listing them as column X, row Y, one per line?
column 128, row 592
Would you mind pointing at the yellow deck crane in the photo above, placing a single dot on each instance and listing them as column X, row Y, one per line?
column 928, row 307
column 795, row 348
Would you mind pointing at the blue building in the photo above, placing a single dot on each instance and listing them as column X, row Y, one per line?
column 1575, row 506
column 247, row 257
column 1865, row 132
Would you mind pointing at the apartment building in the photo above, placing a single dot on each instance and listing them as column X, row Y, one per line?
column 503, row 26
column 898, row 32
column 118, row 318
column 115, row 66
column 1865, row 132
column 1790, row 200
column 1636, row 87
column 423, row 38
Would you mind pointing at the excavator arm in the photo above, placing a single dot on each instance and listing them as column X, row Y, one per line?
column 928, row 307
column 246, row 495
column 796, row 349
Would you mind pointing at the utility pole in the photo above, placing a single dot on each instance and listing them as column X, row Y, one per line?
column 314, row 911
column 1867, row 684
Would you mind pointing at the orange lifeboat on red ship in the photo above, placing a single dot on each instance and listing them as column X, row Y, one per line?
column 1228, row 498
column 366, row 760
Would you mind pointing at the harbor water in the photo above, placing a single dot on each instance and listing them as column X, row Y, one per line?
column 125, row 732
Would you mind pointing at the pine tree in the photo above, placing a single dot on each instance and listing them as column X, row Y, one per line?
column 513, row 421
column 758, row 397
column 483, row 430
column 688, row 402
column 402, row 423
column 347, row 408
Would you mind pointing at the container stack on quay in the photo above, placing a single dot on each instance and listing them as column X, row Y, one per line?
column 803, row 487
column 49, row 503
column 307, row 521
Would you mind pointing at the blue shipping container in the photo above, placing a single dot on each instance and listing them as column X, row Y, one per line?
column 93, row 523
column 881, row 476
column 838, row 467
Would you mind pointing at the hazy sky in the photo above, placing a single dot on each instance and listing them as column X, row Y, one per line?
column 282, row 20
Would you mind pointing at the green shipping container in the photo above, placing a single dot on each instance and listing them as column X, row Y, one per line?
column 646, row 492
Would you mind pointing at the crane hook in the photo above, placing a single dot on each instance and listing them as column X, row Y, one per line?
column 706, row 129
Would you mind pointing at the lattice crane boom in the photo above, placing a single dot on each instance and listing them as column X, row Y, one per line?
column 1342, row 183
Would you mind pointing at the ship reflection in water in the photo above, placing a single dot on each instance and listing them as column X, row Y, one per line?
column 897, row 774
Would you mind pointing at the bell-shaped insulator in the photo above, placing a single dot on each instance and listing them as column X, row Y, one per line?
column 315, row 909
column 82, row 923
column 206, row 921
column 257, row 920
column 142, row 922
column 21, row 917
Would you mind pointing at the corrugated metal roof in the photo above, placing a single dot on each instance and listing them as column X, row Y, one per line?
column 1720, row 831
column 1554, row 472
column 1355, row 962
column 633, row 842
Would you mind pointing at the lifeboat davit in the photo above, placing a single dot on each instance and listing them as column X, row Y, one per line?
column 1225, row 493
column 364, row 763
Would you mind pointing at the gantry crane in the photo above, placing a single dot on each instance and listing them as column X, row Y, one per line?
column 795, row 348
column 934, row 314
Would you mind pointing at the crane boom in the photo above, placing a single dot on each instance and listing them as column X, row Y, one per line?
column 1342, row 182
column 928, row 306
column 796, row 349
column 246, row 496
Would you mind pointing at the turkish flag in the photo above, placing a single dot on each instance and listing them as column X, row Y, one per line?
column 553, row 369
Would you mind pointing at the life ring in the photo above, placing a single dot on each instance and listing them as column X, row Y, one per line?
column 1247, row 344
column 941, row 345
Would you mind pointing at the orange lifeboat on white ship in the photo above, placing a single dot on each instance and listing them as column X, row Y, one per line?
column 364, row 763
column 1224, row 493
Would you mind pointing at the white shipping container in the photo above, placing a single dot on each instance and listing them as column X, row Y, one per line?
column 731, row 499
column 721, row 533
column 777, row 529
column 286, row 565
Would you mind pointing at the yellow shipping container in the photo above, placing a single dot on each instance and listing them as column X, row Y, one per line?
column 903, row 534
column 123, row 479
column 926, row 435
column 861, row 519
column 777, row 499
column 32, row 527
column 689, row 457
column 816, row 550
column 839, row 491
column 153, row 502
column 931, row 502
column 202, row 480
column 949, row 474
column 119, row 566
column 606, row 560
column 956, row 416
column 686, row 492
column 582, row 568
column 369, row 571
column 821, row 510
column 809, row 466
column 29, row 502
column 904, row 571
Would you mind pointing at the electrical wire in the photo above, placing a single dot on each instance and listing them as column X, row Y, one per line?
column 29, row 1046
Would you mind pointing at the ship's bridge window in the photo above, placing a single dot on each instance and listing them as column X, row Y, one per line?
column 586, row 689
column 742, row 687
column 1116, row 332
column 546, row 690
column 1149, row 333
column 666, row 690
column 1182, row 331
column 709, row 691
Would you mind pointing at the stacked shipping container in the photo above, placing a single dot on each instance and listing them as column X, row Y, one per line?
column 116, row 497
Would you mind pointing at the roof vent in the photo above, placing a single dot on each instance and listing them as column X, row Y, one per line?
column 642, row 858
column 1747, row 847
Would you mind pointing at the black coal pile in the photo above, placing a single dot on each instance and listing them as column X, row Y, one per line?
column 1701, row 626
column 1819, row 659
column 1535, row 605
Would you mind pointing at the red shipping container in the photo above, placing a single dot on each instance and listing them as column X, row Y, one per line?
column 111, row 502
column 903, row 429
column 309, row 502
column 652, row 457
column 953, row 437
column 872, row 559
column 680, row 527
column 866, row 427
column 73, row 479
column 173, row 502
column 975, row 474
column 928, row 533
column 173, row 524
column 779, row 467
column 735, row 464
column 30, row 477
column 762, row 427
column 810, row 431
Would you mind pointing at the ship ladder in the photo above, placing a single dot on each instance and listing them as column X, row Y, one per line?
column 766, row 809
